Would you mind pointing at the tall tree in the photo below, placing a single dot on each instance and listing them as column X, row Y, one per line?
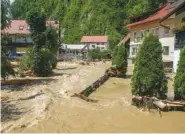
column 179, row 83
column 6, row 68
column 121, row 60
column 149, row 77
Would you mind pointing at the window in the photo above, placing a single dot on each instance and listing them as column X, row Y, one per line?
column 146, row 32
column 21, row 27
column 165, row 50
column 157, row 31
column 102, row 43
column 134, row 50
column 167, row 31
column 98, row 43
column 138, row 36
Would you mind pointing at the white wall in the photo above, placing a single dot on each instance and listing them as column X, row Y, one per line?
column 166, row 40
column 102, row 46
column 176, row 59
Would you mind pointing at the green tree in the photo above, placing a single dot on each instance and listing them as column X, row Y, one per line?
column 94, row 53
column 121, row 60
column 52, row 43
column 114, row 54
column 149, row 77
column 41, row 65
column 6, row 68
column 179, row 83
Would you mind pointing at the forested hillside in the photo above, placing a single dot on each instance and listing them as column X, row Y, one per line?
column 87, row 17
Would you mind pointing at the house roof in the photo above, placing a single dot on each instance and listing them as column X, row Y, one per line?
column 73, row 46
column 21, row 27
column 174, row 7
column 94, row 39
column 159, row 14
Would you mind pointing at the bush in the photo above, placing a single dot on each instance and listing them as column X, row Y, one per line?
column 179, row 83
column 6, row 68
column 94, row 54
column 39, row 62
column 114, row 54
column 106, row 54
column 26, row 61
column 149, row 78
column 121, row 60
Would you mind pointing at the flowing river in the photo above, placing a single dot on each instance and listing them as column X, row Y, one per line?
column 112, row 113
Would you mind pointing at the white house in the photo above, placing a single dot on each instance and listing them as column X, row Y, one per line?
column 95, row 42
column 150, row 22
column 178, row 9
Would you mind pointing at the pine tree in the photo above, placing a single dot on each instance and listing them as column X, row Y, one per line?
column 121, row 60
column 114, row 54
column 179, row 83
column 149, row 78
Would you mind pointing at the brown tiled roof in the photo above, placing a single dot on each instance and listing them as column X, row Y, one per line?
column 21, row 27
column 156, row 16
column 94, row 39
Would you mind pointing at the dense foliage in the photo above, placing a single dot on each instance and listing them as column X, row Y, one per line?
column 87, row 17
column 149, row 77
column 98, row 54
column 42, row 57
column 179, row 83
column 121, row 60
column 6, row 68
column 114, row 54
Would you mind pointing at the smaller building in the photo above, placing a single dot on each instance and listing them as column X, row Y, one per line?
column 73, row 52
column 92, row 42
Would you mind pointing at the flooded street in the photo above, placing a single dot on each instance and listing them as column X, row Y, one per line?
column 112, row 113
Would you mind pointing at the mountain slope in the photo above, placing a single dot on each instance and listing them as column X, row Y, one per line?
column 87, row 17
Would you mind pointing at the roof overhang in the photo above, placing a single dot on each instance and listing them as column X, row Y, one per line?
column 173, row 11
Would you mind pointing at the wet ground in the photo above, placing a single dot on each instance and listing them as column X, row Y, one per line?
column 112, row 113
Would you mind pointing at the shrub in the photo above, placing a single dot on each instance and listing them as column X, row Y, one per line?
column 94, row 54
column 26, row 61
column 114, row 54
column 6, row 68
column 39, row 62
column 42, row 62
column 106, row 54
column 149, row 78
column 121, row 60
column 179, row 83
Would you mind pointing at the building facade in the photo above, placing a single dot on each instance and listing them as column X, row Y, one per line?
column 92, row 42
column 19, row 33
column 177, row 11
column 146, row 23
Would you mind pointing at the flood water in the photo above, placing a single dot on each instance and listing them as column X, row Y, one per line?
column 112, row 113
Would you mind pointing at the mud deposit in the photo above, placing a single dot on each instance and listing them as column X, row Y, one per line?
column 112, row 113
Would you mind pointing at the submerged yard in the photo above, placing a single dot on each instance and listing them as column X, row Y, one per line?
column 53, row 110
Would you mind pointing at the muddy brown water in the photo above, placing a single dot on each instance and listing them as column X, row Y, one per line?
column 113, row 113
